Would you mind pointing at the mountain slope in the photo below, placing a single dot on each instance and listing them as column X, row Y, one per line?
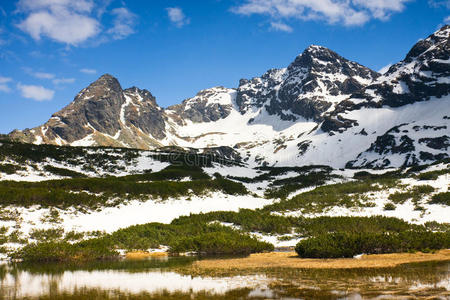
column 321, row 109
column 103, row 114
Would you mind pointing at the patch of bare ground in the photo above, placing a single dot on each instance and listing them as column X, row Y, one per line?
column 144, row 254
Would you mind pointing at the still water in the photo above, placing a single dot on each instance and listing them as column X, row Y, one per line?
column 175, row 278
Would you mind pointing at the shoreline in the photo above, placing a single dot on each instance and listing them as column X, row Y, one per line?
column 292, row 261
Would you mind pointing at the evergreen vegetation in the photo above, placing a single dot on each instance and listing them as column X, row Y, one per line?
column 346, row 244
column 441, row 198
column 110, row 191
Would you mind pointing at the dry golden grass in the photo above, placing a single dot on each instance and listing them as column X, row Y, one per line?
column 144, row 254
column 291, row 260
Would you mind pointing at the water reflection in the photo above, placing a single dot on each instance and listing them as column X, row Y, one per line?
column 171, row 279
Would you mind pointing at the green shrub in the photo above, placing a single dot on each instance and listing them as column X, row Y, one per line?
column 45, row 235
column 389, row 206
column 432, row 175
column 64, row 172
column 10, row 169
column 221, row 243
column 441, row 198
column 400, row 197
column 338, row 245
column 343, row 194
column 64, row 251
column 423, row 189
column 283, row 187
column 95, row 192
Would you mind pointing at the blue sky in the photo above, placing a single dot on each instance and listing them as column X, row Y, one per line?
column 51, row 49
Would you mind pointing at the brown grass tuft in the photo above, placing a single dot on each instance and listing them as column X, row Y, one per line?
column 291, row 260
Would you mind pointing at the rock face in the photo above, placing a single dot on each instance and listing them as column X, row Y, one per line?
column 321, row 109
column 103, row 114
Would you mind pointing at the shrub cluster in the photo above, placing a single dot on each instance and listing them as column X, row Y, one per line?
column 441, row 198
column 342, row 244
column 200, row 238
column 63, row 251
column 343, row 194
column 95, row 192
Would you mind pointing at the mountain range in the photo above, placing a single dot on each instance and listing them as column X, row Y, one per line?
column 321, row 109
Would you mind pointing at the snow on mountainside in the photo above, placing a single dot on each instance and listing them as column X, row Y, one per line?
column 321, row 109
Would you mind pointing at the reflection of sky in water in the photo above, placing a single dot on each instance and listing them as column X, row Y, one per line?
column 153, row 277
column 24, row 284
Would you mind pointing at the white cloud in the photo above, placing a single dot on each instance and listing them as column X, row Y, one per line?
column 35, row 92
column 177, row 17
column 88, row 71
column 123, row 23
column 278, row 26
column 64, row 21
column 343, row 12
column 4, row 84
column 384, row 69
column 447, row 20
column 74, row 22
column 63, row 80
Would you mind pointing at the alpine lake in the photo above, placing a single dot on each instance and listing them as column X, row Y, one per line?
column 179, row 278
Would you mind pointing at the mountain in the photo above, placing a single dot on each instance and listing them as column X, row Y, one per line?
column 321, row 109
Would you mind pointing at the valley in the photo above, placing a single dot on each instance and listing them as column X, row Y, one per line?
column 323, row 179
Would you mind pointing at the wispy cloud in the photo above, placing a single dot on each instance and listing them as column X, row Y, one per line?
column 39, row 75
column 73, row 22
column 88, row 71
column 438, row 3
column 177, row 16
column 35, row 92
column 58, row 81
column 124, row 22
column 340, row 12
column 43, row 75
column 2, row 39
column 279, row 26
column 4, row 84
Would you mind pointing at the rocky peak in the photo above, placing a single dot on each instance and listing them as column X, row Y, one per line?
column 421, row 75
column 312, row 54
column 436, row 42
column 208, row 105
column 320, row 59
column 309, row 86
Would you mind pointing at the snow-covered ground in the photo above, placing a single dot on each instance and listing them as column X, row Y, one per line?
column 275, row 141
column 134, row 212
column 405, row 211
